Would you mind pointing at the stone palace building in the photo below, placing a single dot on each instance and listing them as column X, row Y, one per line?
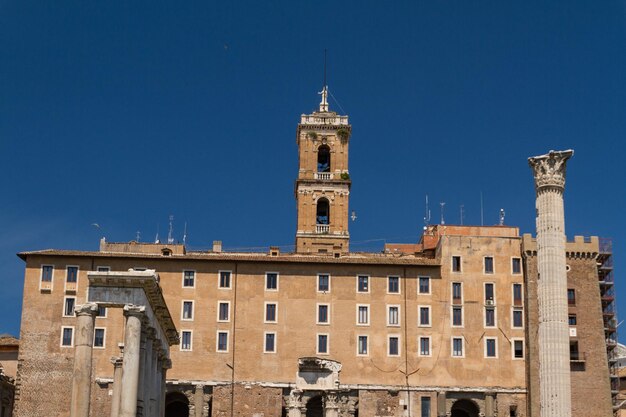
column 470, row 321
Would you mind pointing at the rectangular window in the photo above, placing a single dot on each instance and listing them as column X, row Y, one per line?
column 574, row 353
column 222, row 341
column 189, row 278
column 518, row 349
column 322, row 343
column 516, row 265
column 425, row 402
column 393, row 285
column 362, row 345
column 518, row 319
column 102, row 312
column 187, row 310
column 223, row 311
column 98, row 338
column 67, row 336
column 323, row 283
column 270, row 312
column 457, row 316
column 490, row 317
column 572, row 319
column 517, row 294
column 224, row 279
column 424, row 285
column 490, row 348
column 394, row 345
column 571, row 296
column 424, row 315
column 488, row 264
column 72, row 274
column 363, row 315
column 393, row 315
column 363, row 283
column 185, row 340
column 322, row 314
column 271, row 281
column 457, row 293
column 68, row 308
column 270, row 343
column 424, row 346
column 47, row 271
column 456, row 264
column 457, row 347
column 103, row 269
column 489, row 293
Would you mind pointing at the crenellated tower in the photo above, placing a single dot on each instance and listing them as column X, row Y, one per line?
column 323, row 184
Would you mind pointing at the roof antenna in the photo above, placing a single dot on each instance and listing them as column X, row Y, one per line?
column 185, row 234
column 138, row 236
column 170, row 239
column 482, row 222
column 442, row 204
column 426, row 214
column 462, row 206
column 324, row 92
column 156, row 238
column 502, row 217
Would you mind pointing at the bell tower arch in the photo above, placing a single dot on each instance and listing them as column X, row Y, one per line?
column 323, row 183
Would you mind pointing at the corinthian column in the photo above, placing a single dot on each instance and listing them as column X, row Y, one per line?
column 553, row 332
column 132, row 360
column 81, row 380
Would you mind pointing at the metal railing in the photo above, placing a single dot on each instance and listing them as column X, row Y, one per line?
column 606, row 245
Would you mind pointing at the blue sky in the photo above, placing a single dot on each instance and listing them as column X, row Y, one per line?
column 122, row 113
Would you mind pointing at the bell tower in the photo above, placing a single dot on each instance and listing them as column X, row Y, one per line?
column 323, row 184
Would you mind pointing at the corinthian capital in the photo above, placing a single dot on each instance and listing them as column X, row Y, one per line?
column 549, row 169
column 87, row 309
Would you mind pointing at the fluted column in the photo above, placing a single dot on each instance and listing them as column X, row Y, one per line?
column 132, row 359
column 83, row 347
column 117, row 385
column 553, row 332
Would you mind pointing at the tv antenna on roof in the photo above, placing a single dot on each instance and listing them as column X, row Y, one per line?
column 138, row 236
column 185, row 234
column 462, row 213
column 502, row 217
column 426, row 214
column 442, row 204
column 170, row 239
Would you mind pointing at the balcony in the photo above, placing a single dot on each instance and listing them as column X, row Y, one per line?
column 322, row 229
column 325, row 176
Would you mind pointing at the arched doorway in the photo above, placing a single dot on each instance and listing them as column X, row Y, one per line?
column 464, row 408
column 314, row 407
column 176, row 405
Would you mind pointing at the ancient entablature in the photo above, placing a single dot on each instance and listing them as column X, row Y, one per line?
column 317, row 374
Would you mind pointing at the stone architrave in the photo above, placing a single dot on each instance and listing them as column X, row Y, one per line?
column 130, row 367
column 83, row 347
column 553, row 331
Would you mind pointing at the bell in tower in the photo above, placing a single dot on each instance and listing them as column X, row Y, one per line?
column 323, row 184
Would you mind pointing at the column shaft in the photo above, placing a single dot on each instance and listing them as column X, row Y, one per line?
column 117, row 386
column 83, row 346
column 132, row 359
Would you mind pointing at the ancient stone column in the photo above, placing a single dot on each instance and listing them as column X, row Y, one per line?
column 132, row 360
column 83, row 347
column 117, row 385
column 553, row 332
column 294, row 403
column 331, row 405
column 166, row 364
column 489, row 404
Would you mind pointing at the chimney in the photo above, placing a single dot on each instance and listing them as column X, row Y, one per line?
column 217, row 246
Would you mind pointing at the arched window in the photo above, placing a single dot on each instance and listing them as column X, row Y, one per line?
column 323, row 211
column 323, row 159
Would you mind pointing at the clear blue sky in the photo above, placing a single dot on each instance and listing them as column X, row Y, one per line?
column 122, row 113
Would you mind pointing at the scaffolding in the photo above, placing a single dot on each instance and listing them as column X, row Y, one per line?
column 609, row 314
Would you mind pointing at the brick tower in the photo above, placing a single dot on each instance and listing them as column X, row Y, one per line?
column 553, row 332
column 323, row 184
